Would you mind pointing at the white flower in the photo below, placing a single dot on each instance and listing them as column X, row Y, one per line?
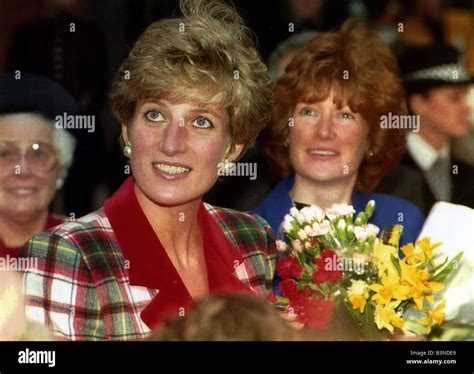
column 302, row 235
column 372, row 230
column 361, row 233
column 294, row 212
column 339, row 210
column 297, row 246
column 308, row 230
column 357, row 287
column 300, row 218
column 288, row 223
column 341, row 225
column 321, row 228
column 312, row 213
column 281, row 246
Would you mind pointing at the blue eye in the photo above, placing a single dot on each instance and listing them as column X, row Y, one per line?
column 154, row 116
column 202, row 123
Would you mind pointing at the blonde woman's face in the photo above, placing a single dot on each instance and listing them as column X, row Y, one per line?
column 327, row 143
column 176, row 148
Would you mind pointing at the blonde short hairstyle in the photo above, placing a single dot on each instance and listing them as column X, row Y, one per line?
column 207, row 56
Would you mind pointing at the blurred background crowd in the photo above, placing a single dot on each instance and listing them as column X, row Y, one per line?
column 36, row 37
column 67, row 53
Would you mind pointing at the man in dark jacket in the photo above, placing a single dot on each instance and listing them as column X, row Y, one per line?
column 437, row 85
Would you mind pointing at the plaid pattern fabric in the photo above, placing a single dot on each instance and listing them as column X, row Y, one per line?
column 80, row 287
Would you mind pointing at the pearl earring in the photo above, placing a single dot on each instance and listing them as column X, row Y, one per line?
column 59, row 183
column 127, row 150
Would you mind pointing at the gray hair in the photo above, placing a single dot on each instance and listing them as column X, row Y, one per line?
column 64, row 142
column 287, row 46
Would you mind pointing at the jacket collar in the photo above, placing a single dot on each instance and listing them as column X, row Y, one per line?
column 148, row 265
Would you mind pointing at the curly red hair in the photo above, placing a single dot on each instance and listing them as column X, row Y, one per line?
column 363, row 73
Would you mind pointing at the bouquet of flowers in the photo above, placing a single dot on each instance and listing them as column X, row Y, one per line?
column 331, row 259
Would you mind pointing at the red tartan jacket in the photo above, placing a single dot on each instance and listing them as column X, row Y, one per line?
column 106, row 276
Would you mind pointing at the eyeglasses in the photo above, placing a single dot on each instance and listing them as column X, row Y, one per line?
column 40, row 157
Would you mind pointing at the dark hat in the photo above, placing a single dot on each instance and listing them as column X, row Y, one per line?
column 35, row 94
column 426, row 67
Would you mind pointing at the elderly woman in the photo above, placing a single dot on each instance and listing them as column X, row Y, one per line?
column 35, row 156
column 192, row 94
column 327, row 140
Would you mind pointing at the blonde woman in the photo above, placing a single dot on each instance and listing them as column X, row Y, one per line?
column 192, row 93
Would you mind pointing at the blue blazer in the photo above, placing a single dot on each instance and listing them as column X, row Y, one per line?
column 389, row 210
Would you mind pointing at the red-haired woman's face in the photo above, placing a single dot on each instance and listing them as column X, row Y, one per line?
column 327, row 143
column 176, row 149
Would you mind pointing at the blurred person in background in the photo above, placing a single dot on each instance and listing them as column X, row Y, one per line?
column 385, row 16
column 436, row 83
column 284, row 52
column 64, row 45
column 35, row 156
column 440, row 22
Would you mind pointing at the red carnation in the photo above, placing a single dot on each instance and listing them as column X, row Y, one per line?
column 315, row 313
column 288, row 267
column 289, row 289
column 327, row 267
column 271, row 297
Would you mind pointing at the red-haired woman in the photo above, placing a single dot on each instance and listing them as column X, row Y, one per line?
column 328, row 139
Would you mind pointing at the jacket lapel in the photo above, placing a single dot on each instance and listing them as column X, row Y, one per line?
column 148, row 265
column 146, row 261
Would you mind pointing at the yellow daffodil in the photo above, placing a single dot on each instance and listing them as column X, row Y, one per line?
column 426, row 247
column 358, row 293
column 389, row 289
column 383, row 258
column 413, row 255
column 436, row 315
column 418, row 283
column 386, row 317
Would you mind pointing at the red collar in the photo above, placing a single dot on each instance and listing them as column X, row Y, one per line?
column 148, row 265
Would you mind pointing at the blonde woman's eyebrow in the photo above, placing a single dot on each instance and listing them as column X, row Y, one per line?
column 205, row 111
